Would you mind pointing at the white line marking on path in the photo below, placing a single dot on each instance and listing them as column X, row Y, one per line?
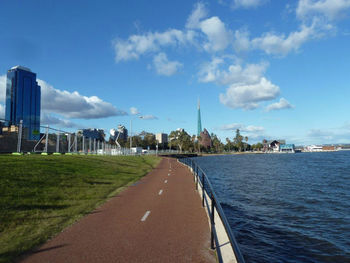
column 145, row 216
column 160, row 192
column 165, row 181
column 168, row 174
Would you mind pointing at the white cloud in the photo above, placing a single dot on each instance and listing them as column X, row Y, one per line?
column 248, row 97
column 2, row 88
column 69, row 104
column 235, row 74
column 74, row 105
column 251, row 131
column 49, row 119
column 246, row 3
column 164, row 66
column 247, row 84
column 252, row 128
column 210, row 72
column 148, row 117
column 331, row 9
column 275, row 44
column 134, row 111
column 282, row 104
column 137, row 45
column 231, row 127
column 199, row 13
column 209, row 33
column 329, row 136
column 319, row 133
column 2, row 111
column 218, row 36
column 281, row 44
column 241, row 40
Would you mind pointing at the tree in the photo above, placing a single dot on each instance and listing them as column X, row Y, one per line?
column 199, row 139
column 246, row 144
column 181, row 139
column 217, row 144
column 238, row 140
column 257, row 146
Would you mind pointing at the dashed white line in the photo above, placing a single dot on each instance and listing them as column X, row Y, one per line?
column 166, row 181
column 160, row 192
column 145, row 216
column 168, row 174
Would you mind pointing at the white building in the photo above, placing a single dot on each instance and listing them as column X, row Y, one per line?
column 314, row 148
column 162, row 138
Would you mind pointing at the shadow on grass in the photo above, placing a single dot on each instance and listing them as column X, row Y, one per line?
column 93, row 212
column 97, row 182
column 9, row 256
column 48, row 249
column 41, row 207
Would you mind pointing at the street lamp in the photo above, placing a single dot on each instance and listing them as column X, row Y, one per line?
column 141, row 117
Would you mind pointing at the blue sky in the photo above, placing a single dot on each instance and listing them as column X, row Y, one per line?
column 274, row 69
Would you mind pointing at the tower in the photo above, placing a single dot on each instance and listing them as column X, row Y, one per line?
column 23, row 97
column 199, row 124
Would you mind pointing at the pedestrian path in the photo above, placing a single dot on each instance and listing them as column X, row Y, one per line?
column 158, row 219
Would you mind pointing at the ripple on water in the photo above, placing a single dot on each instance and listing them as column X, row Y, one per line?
column 286, row 208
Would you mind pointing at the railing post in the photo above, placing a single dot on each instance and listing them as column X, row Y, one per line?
column 58, row 142
column 212, row 221
column 193, row 172
column 46, row 138
column 203, row 189
column 19, row 141
column 76, row 143
column 69, row 142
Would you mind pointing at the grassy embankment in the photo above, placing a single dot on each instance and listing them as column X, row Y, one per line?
column 41, row 195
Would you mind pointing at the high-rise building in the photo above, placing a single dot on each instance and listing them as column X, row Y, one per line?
column 162, row 138
column 199, row 124
column 23, row 97
column 97, row 134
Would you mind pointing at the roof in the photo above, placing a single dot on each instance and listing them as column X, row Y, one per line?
column 287, row 146
column 21, row 67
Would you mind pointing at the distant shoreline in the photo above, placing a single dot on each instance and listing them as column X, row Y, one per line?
column 239, row 153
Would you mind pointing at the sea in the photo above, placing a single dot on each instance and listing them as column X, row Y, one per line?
column 285, row 207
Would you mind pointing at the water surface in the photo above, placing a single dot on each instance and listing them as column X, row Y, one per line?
column 285, row 207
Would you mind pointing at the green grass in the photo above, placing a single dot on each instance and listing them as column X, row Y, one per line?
column 41, row 195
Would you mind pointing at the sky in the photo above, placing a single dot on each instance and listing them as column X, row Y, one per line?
column 273, row 69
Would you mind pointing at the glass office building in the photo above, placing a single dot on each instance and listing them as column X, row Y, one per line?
column 23, row 96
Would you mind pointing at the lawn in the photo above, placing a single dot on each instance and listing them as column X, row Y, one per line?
column 41, row 195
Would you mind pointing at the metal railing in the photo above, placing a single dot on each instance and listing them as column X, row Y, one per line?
column 202, row 180
column 50, row 140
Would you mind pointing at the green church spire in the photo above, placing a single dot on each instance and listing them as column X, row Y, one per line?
column 199, row 124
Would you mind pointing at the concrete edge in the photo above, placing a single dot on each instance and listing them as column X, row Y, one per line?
column 228, row 255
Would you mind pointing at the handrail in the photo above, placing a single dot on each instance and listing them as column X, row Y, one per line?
column 206, row 185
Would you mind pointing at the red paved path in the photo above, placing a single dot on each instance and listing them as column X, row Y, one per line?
column 176, row 229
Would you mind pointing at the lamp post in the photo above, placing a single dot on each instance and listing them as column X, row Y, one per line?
column 131, row 132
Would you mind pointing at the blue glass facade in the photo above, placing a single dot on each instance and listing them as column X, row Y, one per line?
column 23, row 97
column 97, row 134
